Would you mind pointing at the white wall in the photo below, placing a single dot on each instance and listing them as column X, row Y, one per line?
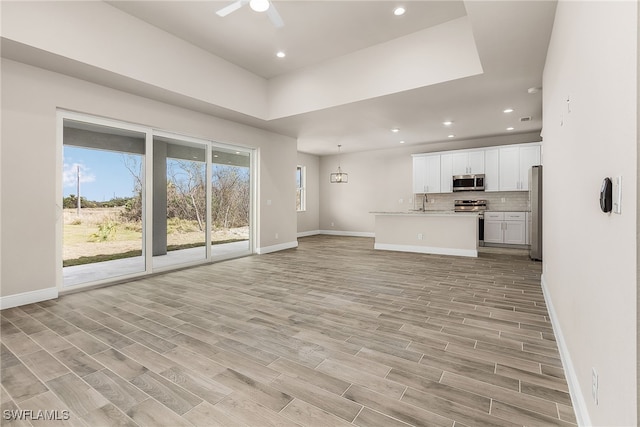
column 30, row 97
column 309, row 220
column 589, row 267
column 379, row 180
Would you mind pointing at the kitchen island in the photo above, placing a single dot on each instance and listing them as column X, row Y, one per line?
column 430, row 232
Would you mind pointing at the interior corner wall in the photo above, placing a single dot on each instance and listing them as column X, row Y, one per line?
column 30, row 99
column 309, row 219
column 590, row 271
column 381, row 181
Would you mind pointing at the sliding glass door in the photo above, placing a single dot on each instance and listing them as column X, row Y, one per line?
column 179, row 202
column 137, row 201
column 103, row 199
column 231, row 201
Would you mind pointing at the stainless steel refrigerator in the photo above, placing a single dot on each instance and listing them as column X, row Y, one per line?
column 535, row 198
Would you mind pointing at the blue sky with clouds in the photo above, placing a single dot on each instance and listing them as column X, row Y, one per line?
column 103, row 174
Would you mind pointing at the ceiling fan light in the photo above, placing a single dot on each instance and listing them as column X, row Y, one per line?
column 259, row 5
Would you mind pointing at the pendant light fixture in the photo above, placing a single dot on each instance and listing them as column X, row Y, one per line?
column 339, row 177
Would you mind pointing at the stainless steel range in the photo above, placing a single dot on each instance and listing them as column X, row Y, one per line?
column 478, row 206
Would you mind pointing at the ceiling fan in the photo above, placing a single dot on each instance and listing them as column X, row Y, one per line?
column 258, row 6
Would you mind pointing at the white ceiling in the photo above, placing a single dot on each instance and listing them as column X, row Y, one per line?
column 314, row 31
column 511, row 39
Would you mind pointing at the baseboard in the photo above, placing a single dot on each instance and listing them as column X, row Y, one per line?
column 348, row 233
column 577, row 398
column 427, row 250
column 308, row 233
column 276, row 248
column 28, row 298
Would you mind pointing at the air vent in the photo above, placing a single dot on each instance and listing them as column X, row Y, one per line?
column 525, row 119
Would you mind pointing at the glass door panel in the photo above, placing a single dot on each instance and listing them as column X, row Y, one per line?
column 230, row 202
column 180, row 202
column 103, row 196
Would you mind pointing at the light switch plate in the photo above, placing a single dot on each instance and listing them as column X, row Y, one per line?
column 617, row 195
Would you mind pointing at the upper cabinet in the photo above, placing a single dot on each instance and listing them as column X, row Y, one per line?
column 491, row 169
column 506, row 168
column 515, row 163
column 446, row 173
column 426, row 173
column 468, row 162
column 529, row 156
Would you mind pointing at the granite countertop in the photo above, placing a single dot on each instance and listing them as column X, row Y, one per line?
column 427, row 213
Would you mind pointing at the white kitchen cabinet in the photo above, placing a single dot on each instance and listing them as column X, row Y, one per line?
column 446, row 173
column 492, row 169
column 506, row 168
column 529, row 156
column 426, row 174
column 509, row 169
column 468, row 162
column 493, row 229
column 505, row 227
column 419, row 173
column 514, row 165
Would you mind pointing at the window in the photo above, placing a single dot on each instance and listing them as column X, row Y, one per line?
column 301, row 195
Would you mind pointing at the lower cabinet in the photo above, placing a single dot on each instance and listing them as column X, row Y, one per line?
column 505, row 227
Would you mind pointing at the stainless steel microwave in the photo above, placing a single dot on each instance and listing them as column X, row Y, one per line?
column 468, row 182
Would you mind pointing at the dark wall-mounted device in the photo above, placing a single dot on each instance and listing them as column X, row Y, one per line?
column 606, row 195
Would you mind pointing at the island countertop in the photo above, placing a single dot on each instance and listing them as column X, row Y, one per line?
column 426, row 213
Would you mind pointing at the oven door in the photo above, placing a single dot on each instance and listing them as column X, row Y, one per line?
column 464, row 182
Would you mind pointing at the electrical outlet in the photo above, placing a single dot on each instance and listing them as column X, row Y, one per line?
column 277, row 236
column 332, row 224
column 401, row 201
column 594, row 385
column 420, row 236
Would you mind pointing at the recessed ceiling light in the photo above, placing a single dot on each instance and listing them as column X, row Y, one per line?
column 398, row 11
column 533, row 90
column 447, row 123
column 215, row 155
column 510, row 128
column 281, row 54
column 451, row 136
column 401, row 142
column 508, row 110
column 395, row 130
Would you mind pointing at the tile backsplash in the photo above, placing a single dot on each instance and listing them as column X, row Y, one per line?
column 515, row 201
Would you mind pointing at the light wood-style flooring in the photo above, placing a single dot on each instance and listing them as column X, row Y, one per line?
column 332, row 333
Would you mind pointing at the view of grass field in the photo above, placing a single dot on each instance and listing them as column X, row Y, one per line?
column 102, row 234
column 112, row 229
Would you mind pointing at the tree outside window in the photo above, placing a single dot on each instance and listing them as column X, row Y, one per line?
column 300, row 189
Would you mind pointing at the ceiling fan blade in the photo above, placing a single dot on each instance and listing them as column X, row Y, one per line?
column 231, row 7
column 275, row 17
